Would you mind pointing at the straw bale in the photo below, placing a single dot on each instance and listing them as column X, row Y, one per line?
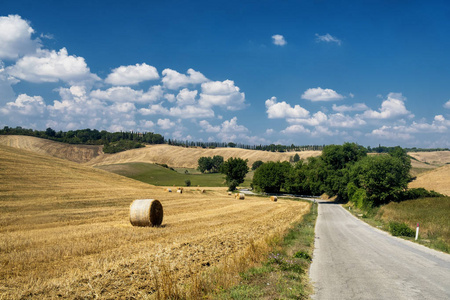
column 180, row 191
column 240, row 196
column 146, row 212
column 229, row 193
column 203, row 191
column 169, row 190
column 274, row 198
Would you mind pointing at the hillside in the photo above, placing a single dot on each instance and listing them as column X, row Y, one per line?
column 436, row 158
column 181, row 157
column 65, row 231
column 437, row 180
column 76, row 153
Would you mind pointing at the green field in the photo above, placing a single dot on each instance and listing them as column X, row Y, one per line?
column 158, row 175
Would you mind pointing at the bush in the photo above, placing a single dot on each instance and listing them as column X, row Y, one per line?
column 188, row 182
column 417, row 193
column 400, row 229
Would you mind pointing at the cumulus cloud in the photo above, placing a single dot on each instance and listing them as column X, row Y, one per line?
column 390, row 133
column 185, row 112
column 127, row 94
column 392, row 107
column 52, row 66
column 230, row 129
column 319, row 94
column 294, row 129
column 447, row 104
column 328, row 38
column 318, row 118
column 165, row 124
column 276, row 110
column 341, row 120
column 278, row 40
column 133, row 74
column 186, row 97
column 347, row 108
column 174, row 80
column 15, row 38
column 208, row 127
column 25, row 105
column 222, row 93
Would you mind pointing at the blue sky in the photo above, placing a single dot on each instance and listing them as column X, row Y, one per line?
column 253, row 72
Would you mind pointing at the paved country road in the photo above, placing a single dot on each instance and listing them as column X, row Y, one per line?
column 352, row 260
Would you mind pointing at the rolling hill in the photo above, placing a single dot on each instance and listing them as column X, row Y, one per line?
column 65, row 231
column 436, row 179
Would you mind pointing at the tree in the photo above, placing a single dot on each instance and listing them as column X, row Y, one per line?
column 296, row 158
column 235, row 170
column 271, row 176
column 204, row 164
column 188, row 182
column 256, row 164
column 216, row 163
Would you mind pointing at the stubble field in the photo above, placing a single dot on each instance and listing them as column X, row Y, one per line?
column 65, row 233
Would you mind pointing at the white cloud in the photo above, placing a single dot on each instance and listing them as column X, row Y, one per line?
column 341, row 120
column 133, row 74
column 52, row 66
column 174, row 80
column 165, row 124
column 316, row 119
column 146, row 124
column 392, row 107
column 319, row 94
column 185, row 112
column 25, row 105
column 222, row 93
column 293, row 129
column 270, row 131
column 276, row 110
column 186, row 97
column 328, row 38
column 208, row 127
column 15, row 38
column 390, row 133
column 278, row 40
column 447, row 104
column 354, row 107
column 127, row 94
column 6, row 91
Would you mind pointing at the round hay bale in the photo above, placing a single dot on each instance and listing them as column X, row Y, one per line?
column 229, row 193
column 274, row 198
column 169, row 190
column 180, row 191
column 203, row 191
column 146, row 212
column 240, row 196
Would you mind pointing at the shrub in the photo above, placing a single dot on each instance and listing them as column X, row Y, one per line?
column 417, row 193
column 400, row 229
column 188, row 182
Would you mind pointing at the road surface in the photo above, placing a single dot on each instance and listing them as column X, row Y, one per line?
column 353, row 260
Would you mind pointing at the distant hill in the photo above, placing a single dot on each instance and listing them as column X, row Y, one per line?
column 75, row 153
column 437, row 180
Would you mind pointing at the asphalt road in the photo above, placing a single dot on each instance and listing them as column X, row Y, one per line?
column 353, row 260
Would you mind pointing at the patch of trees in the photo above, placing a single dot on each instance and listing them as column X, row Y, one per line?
column 210, row 164
column 345, row 171
column 114, row 142
column 235, row 170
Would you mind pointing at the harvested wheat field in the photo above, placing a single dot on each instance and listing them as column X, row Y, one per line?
column 436, row 158
column 181, row 157
column 437, row 180
column 76, row 153
column 65, row 233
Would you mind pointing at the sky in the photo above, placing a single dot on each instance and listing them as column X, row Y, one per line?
column 252, row 72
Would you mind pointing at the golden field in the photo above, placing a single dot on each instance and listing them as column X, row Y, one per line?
column 65, row 233
column 437, row 180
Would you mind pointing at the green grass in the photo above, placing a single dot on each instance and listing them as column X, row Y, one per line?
column 158, row 175
column 284, row 274
column 431, row 213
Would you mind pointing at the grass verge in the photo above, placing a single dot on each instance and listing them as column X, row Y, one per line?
column 431, row 213
column 284, row 272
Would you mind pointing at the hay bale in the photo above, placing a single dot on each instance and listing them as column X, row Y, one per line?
column 240, row 196
column 146, row 212
column 169, row 190
column 274, row 198
column 229, row 193
column 180, row 191
column 203, row 191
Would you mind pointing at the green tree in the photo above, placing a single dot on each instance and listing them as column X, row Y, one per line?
column 235, row 170
column 204, row 164
column 256, row 164
column 296, row 157
column 270, row 177
column 216, row 162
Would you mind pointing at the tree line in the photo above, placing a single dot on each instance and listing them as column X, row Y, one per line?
column 345, row 171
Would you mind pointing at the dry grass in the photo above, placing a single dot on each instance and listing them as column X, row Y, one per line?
column 437, row 158
column 181, row 157
column 65, row 232
column 432, row 214
column 437, row 180
column 76, row 153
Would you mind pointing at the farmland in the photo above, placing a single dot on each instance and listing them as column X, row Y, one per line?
column 65, row 232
